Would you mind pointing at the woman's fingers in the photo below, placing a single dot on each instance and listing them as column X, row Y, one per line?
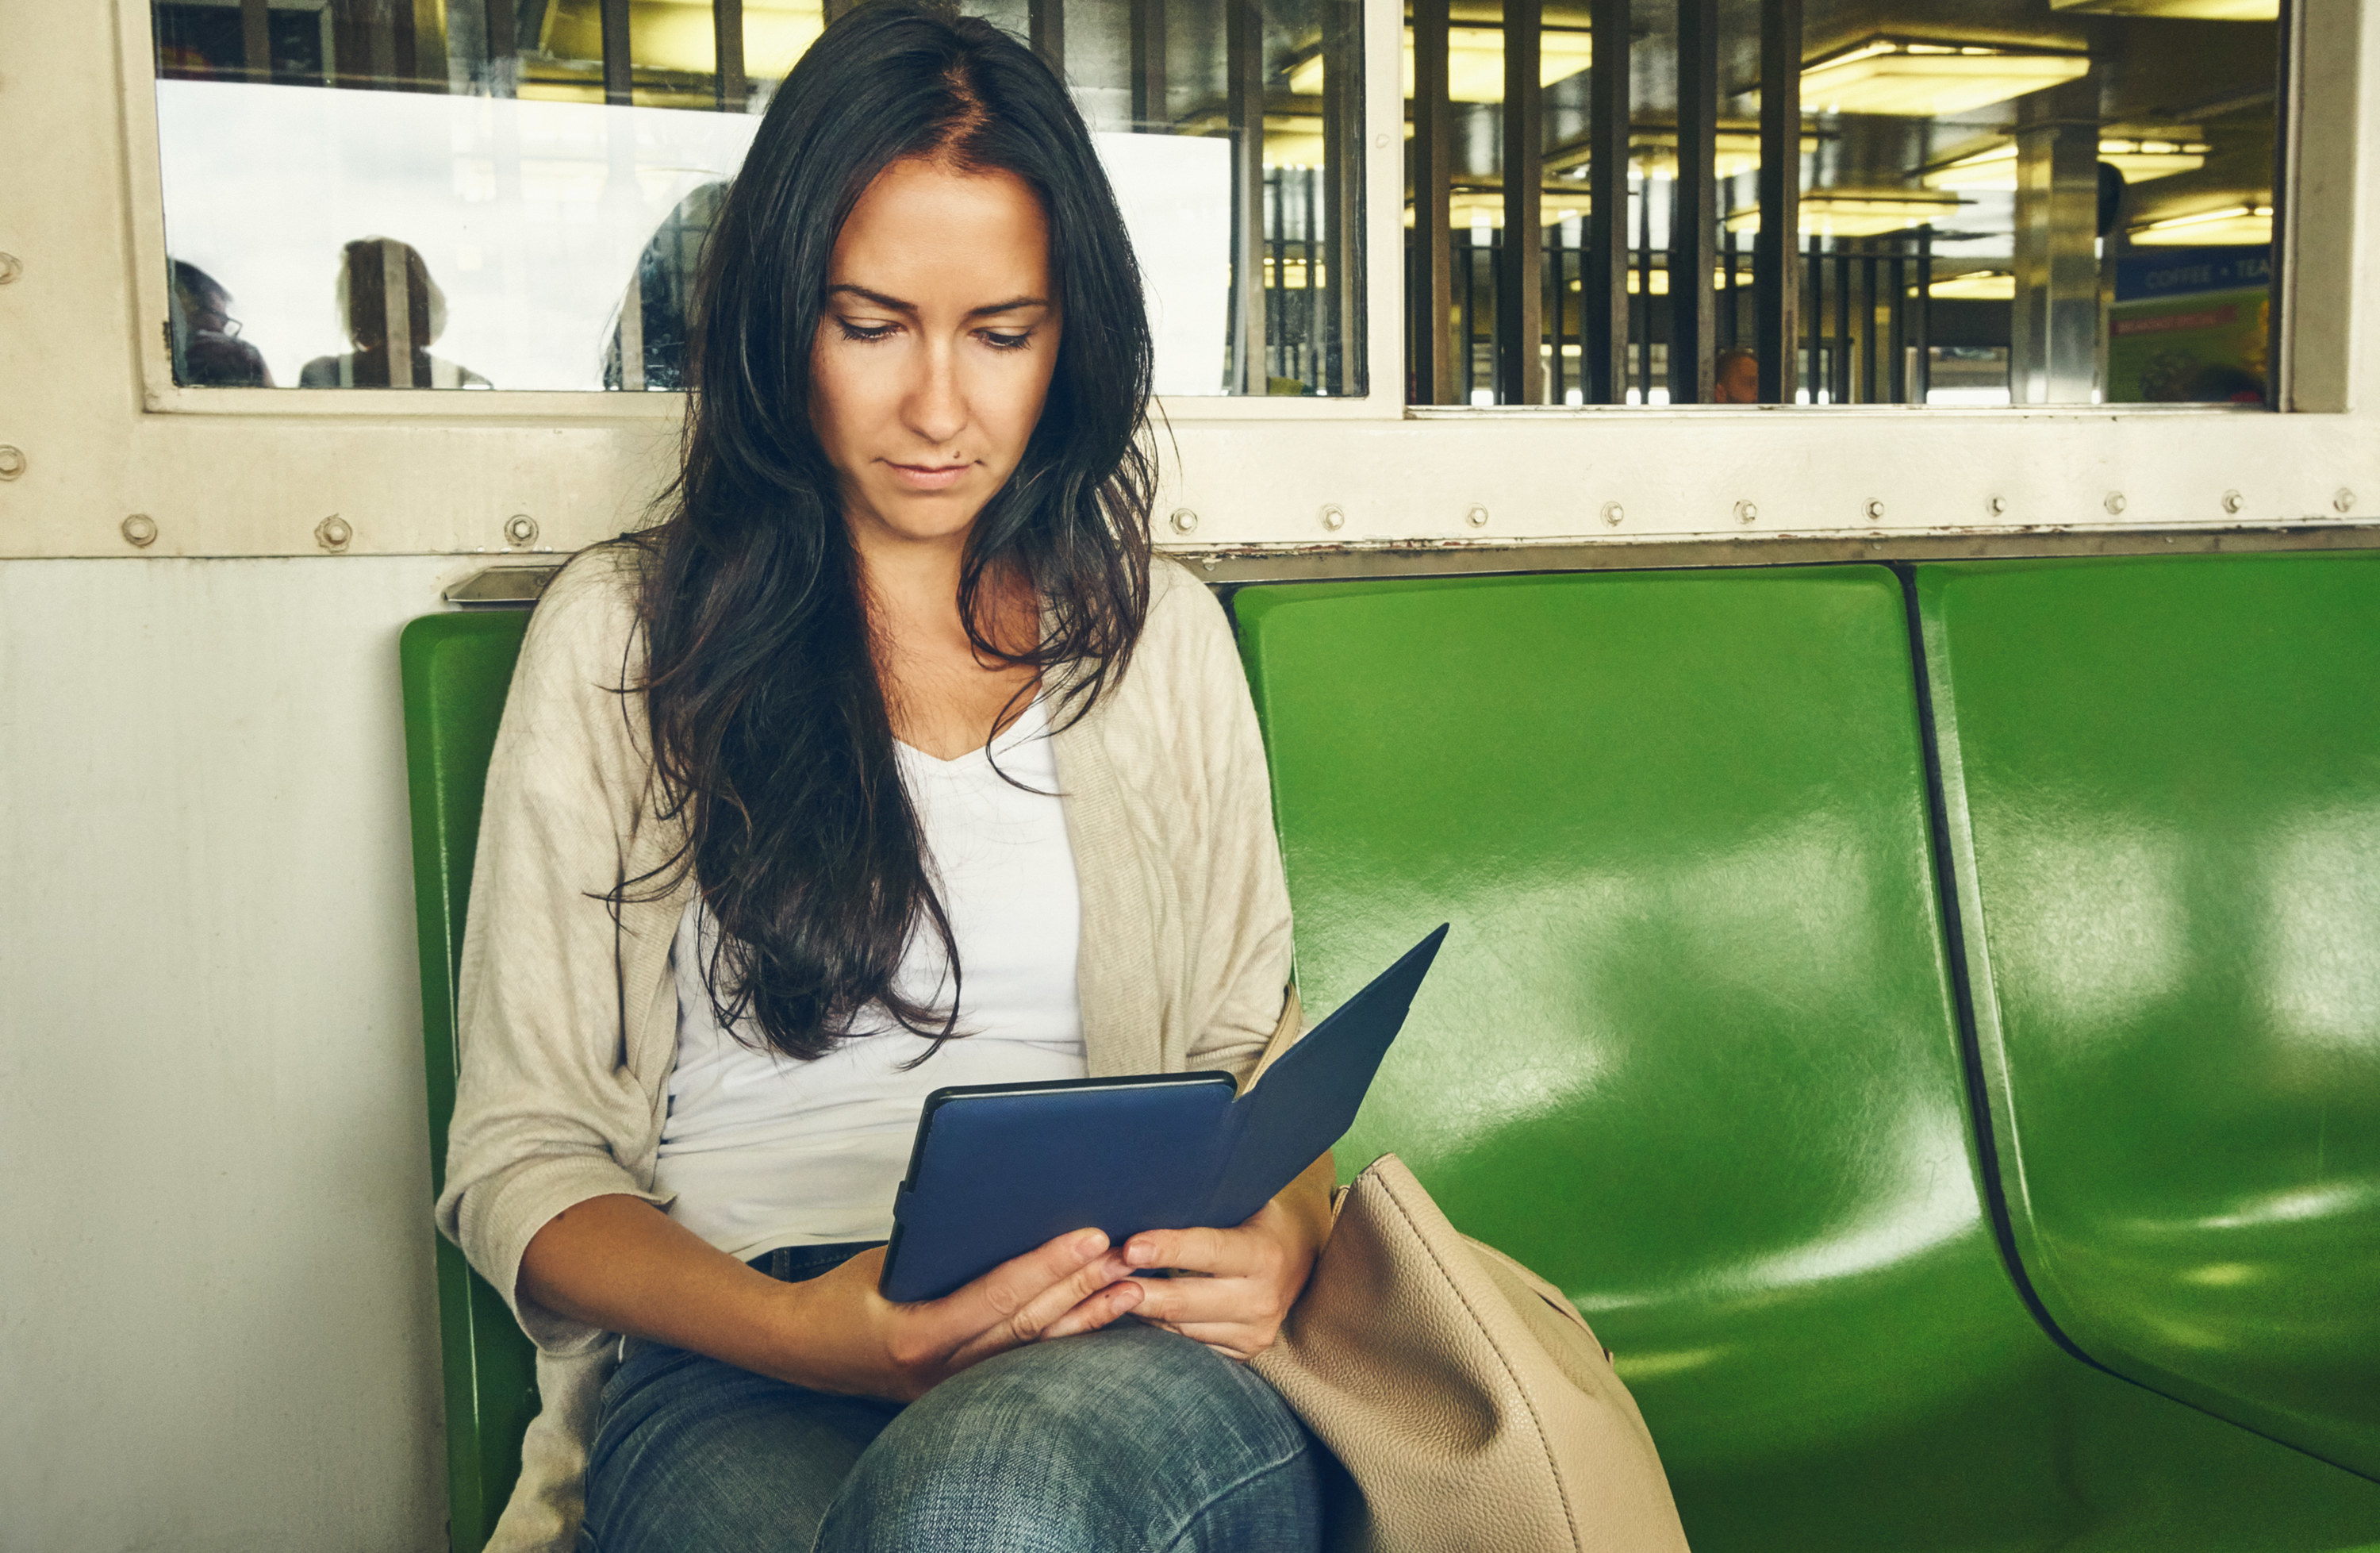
column 1104, row 1307
column 1016, row 1300
column 1186, row 1301
column 1219, row 1252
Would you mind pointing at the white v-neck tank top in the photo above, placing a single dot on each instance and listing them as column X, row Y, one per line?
column 762, row 1151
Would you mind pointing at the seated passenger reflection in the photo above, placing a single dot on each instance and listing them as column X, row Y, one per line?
column 1736, row 379
column 386, row 293
column 208, row 352
column 647, row 345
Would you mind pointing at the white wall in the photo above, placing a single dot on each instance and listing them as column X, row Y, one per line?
column 217, row 1324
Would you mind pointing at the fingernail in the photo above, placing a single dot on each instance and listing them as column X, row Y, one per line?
column 1139, row 1255
column 1090, row 1243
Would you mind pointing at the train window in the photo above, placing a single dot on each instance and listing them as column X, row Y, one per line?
column 514, row 191
column 2027, row 202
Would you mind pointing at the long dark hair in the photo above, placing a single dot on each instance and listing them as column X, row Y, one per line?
column 772, row 739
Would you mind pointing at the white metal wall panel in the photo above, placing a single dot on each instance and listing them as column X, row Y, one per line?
column 218, row 1330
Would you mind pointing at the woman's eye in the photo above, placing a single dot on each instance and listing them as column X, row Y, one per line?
column 865, row 331
column 1007, row 342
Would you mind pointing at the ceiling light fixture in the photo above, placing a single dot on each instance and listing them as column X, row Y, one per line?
column 2191, row 10
column 2140, row 160
column 1858, row 214
column 2241, row 226
column 1474, row 63
column 1904, row 78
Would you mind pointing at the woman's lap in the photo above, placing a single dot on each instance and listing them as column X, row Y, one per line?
column 1125, row 1438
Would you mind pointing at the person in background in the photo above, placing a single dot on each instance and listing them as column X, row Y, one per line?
column 208, row 352
column 385, row 292
column 1737, row 379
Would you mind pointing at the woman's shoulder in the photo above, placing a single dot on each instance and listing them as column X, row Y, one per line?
column 1183, row 611
column 592, row 612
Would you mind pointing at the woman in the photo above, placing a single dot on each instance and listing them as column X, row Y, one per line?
column 886, row 762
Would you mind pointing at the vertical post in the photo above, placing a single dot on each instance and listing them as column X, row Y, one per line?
column 504, row 49
column 1243, row 106
column 1644, row 283
column 619, row 75
column 1694, row 205
column 1148, row 108
column 1817, row 270
column 1869, row 393
column 727, row 53
column 256, row 40
column 1342, row 192
column 2054, row 345
column 1776, row 251
column 1603, row 280
column 1520, row 281
column 1044, row 21
column 1844, row 386
column 1430, row 296
column 1921, row 319
column 1898, row 309
column 2279, row 353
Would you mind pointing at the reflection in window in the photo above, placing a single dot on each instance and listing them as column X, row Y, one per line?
column 2030, row 201
column 527, row 184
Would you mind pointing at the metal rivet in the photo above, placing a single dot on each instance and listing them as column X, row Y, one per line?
column 139, row 531
column 2233, row 501
column 2114, row 503
column 1476, row 517
column 520, row 529
column 10, row 267
column 1381, row 141
column 2343, row 500
column 1747, row 511
column 1875, row 509
column 1183, row 521
column 1333, row 519
column 1996, row 506
column 1212, row 562
column 12, row 461
column 333, row 533
column 1614, row 514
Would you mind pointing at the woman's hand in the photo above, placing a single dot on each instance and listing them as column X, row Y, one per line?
column 850, row 1339
column 1246, row 1278
column 619, row 1264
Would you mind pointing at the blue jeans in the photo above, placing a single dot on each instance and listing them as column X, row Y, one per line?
column 1120, row 1439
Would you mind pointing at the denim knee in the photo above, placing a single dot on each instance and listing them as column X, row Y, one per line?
column 1131, row 1437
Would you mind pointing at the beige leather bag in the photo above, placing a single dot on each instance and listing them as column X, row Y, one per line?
column 1468, row 1401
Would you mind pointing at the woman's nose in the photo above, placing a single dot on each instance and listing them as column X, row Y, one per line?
column 937, row 409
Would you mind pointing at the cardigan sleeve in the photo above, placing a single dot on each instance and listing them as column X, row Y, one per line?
column 549, row 1109
column 1240, row 949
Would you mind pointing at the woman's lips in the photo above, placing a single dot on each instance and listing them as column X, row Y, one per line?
column 927, row 477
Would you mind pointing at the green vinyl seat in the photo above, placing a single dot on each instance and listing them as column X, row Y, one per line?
column 2163, row 784
column 457, row 668
column 1693, row 1049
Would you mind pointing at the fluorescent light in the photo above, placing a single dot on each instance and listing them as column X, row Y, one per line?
column 1661, row 281
column 1485, row 207
column 2195, row 10
column 2140, row 160
column 1474, row 63
column 1977, row 286
column 1908, row 79
column 1857, row 214
column 2232, row 225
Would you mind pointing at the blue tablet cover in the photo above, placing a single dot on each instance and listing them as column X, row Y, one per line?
column 998, row 1169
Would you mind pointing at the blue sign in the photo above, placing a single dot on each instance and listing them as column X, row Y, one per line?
column 2182, row 272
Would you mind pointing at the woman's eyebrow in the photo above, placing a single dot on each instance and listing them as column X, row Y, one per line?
column 1014, row 304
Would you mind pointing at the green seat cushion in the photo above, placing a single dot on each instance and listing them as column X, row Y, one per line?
column 2163, row 778
column 1692, row 1052
column 457, row 669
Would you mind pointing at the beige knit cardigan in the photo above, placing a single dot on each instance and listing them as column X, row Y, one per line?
column 568, row 1018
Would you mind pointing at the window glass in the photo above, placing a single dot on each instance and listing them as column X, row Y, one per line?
column 2046, row 201
column 516, row 192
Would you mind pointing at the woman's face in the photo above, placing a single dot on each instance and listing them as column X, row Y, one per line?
column 934, row 354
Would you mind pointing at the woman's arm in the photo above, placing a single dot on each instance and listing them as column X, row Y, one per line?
column 619, row 1263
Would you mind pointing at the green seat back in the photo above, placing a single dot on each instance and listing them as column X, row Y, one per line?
column 457, row 668
column 1691, row 1050
column 2163, row 778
